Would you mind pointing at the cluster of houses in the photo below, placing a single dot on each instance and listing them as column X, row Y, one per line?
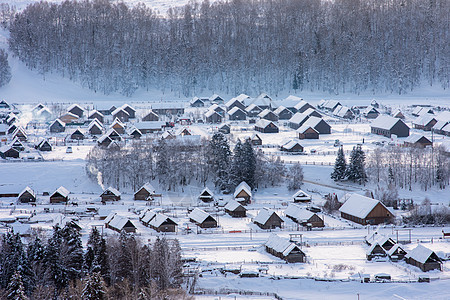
column 386, row 248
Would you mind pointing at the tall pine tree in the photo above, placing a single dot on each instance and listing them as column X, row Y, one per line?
column 94, row 288
column 96, row 257
column 356, row 169
column 15, row 289
column 340, row 166
column 219, row 159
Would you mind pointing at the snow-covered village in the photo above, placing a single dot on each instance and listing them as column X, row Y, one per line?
column 174, row 171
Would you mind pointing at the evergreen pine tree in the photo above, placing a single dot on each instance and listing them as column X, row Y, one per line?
column 340, row 166
column 219, row 159
column 356, row 170
column 236, row 169
column 96, row 257
column 56, row 271
column 249, row 164
column 391, row 174
column 15, row 289
column 72, row 251
column 36, row 256
column 94, row 288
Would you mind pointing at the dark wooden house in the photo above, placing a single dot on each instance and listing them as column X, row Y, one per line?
column 237, row 114
column 417, row 141
column 60, row 195
column 302, row 216
column 212, row 116
column 77, row 135
column 151, row 116
column 110, row 194
column 95, row 114
column 130, row 110
column 44, row 145
column 425, row 122
column 364, row 210
column 387, row 126
column 423, row 258
column 9, row 152
column 121, row 114
column 266, row 126
column 243, row 193
column 284, row 249
column 57, row 126
column 235, row 209
column 206, row 195
column 307, row 132
column 292, row 146
column 202, row 219
column 76, row 110
column 267, row 219
column 283, row 113
column 269, row 115
column 224, row 128
column 119, row 223
column 318, row 124
column 375, row 251
column 146, row 192
column 27, row 195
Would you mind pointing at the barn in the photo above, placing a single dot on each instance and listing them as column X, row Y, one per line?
column 110, row 194
column 297, row 120
column 235, row 209
column 162, row 223
column 212, row 116
column 267, row 219
column 27, row 195
column 423, row 258
column 119, row 223
column 302, row 216
column 76, row 110
column 425, row 122
column 284, row 249
column 202, row 219
column 364, row 210
column 318, row 124
column 283, row 113
column 387, row 126
column 267, row 114
column 266, row 126
column 237, row 114
column 60, row 195
column 121, row 114
column 253, row 110
column 243, row 193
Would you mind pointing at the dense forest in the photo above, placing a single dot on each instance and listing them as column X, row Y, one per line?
column 240, row 46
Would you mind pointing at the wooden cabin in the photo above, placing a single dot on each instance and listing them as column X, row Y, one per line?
column 268, row 219
column 60, row 195
column 387, row 126
column 235, row 209
column 213, row 117
column 27, row 195
column 162, row 223
column 302, row 197
column 237, row 114
column 307, row 132
column 121, row 114
column 364, row 210
column 255, row 140
column 292, row 146
column 283, row 113
column 266, row 126
column 202, row 219
column 9, row 152
column 302, row 216
column 44, row 145
column 206, row 195
column 130, row 110
column 95, row 128
column 119, row 223
column 396, row 253
column 423, row 258
column 284, row 249
column 77, row 135
column 57, row 126
column 110, row 194
column 224, row 128
column 76, row 110
column 243, row 193
column 417, row 141
column 95, row 114
column 269, row 115
column 151, row 116
column 146, row 192
column 375, row 251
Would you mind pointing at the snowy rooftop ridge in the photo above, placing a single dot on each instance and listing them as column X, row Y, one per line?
column 279, row 244
column 358, row 205
column 264, row 215
column 232, row 205
column 297, row 212
column 198, row 215
column 420, row 254
column 385, row 122
column 242, row 186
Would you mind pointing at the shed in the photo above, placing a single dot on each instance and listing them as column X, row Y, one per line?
column 235, row 209
column 266, row 126
column 146, row 192
column 162, row 223
column 417, row 141
column 283, row 113
column 255, row 140
column 423, row 258
column 284, row 249
column 253, row 110
column 60, row 195
column 303, row 216
column 301, row 196
column 134, row 132
column 267, row 219
column 27, row 195
column 151, row 116
column 119, row 223
column 318, row 124
column 425, row 122
column 110, row 194
column 76, row 110
column 237, row 114
column 202, row 218
column 375, row 250
column 9, row 151
column 121, row 114
column 224, row 128
column 243, row 193
column 95, row 114
column 77, row 135
column 44, row 145
column 57, row 126
column 297, row 120
column 269, row 115
column 364, row 210
column 292, row 146
column 396, row 253
column 206, row 195
column 212, row 116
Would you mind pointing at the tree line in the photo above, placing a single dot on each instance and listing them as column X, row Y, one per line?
column 239, row 46
column 176, row 163
column 59, row 267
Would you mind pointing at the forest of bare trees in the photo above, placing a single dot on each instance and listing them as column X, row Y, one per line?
column 239, row 46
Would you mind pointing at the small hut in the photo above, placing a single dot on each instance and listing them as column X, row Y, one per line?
column 202, row 219
column 284, row 249
column 206, row 195
column 27, row 195
column 267, row 219
column 424, row 258
column 60, row 195
column 146, row 192
column 110, row 194
column 235, row 209
column 301, row 196
column 243, row 193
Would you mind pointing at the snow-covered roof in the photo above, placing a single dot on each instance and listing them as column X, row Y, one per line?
column 29, row 190
column 58, row 121
column 149, row 188
column 440, row 124
column 290, row 101
column 232, row 101
column 419, row 254
column 126, row 105
column 385, row 122
column 148, row 216
column 301, row 104
column 117, row 122
column 374, row 244
column 232, row 205
column 242, row 97
column 113, row 191
column 291, row 144
column 414, row 138
column 198, row 215
column 298, row 212
column 3, row 127
column 44, row 110
column 341, row 111
column 263, row 123
column 446, row 128
column 103, row 138
column 214, row 97
column 370, row 109
column 424, row 119
column 252, row 107
column 73, row 106
column 264, row 113
column 118, row 222
column 312, row 121
column 96, row 124
column 301, row 195
column 443, row 116
column 210, row 112
column 358, row 205
column 304, row 127
column 242, row 186
column 264, row 215
column 394, row 249
column 159, row 219
column 309, row 111
column 280, row 245
column 234, row 110
column 297, row 118
column 62, row 191
column 95, row 112
column 117, row 110
column 330, row 104
column 195, row 99
column 206, row 191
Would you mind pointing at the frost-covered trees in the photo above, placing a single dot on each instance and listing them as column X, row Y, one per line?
column 328, row 46
column 95, row 257
column 94, row 288
column 15, row 289
column 219, row 156
column 295, row 177
column 356, row 168
column 243, row 165
column 340, row 166
column 5, row 69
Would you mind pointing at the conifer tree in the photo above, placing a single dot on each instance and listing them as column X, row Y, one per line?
column 94, row 288
column 16, row 290
column 356, row 169
column 249, row 164
column 219, row 159
column 36, row 256
column 340, row 166
column 56, row 271
column 72, row 251
column 96, row 257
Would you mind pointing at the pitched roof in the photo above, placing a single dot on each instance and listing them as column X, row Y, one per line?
column 304, row 128
column 312, row 121
column 58, row 121
column 62, row 191
column 209, row 113
column 420, row 254
column 159, row 219
column 424, row 119
column 280, row 245
column 385, row 122
column 95, row 112
column 358, row 205
column 148, row 216
column 148, row 187
column 291, row 144
column 118, row 110
column 73, row 106
column 264, row 215
column 119, row 222
column 235, row 109
column 149, row 125
column 301, row 194
column 263, row 123
column 298, row 212
column 113, row 191
column 207, row 191
column 198, row 215
column 298, row 118
column 29, row 190
column 242, row 186
column 233, row 205
column 414, row 138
